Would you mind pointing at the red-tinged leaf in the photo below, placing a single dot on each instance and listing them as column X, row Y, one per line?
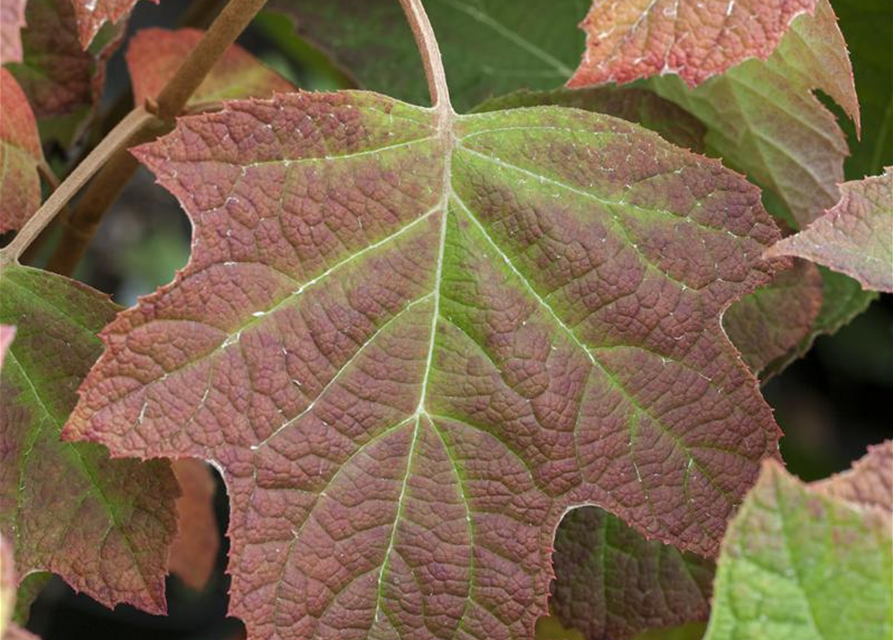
column 103, row 525
column 869, row 483
column 12, row 19
column 695, row 39
column 92, row 14
column 7, row 333
column 763, row 119
column 855, row 236
column 63, row 83
column 612, row 584
column 411, row 340
column 194, row 552
column 20, row 155
column 798, row 562
column 768, row 324
column 9, row 630
column 154, row 55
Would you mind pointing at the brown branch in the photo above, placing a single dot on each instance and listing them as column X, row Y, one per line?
column 111, row 154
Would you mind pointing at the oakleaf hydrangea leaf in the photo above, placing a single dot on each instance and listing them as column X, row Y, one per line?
column 490, row 47
column 20, row 154
column 769, row 323
column 194, row 551
column 641, row 106
column 62, row 81
column 412, row 340
column 798, row 564
column 92, row 14
column 612, row 584
column 855, row 236
column 103, row 525
column 869, row 483
column 696, row 39
column 12, row 19
column 8, row 629
column 763, row 119
column 154, row 55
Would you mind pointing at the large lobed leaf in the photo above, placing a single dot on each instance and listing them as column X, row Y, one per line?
column 805, row 562
column 412, row 340
column 103, row 525
column 855, row 236
column 20, row 155
column 696, row 39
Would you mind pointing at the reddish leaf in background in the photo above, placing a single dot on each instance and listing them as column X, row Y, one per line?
column 92, row 14
column 194, row 552
column 63, row 82
column 104, row 526
column 612, row 584
column 20, row 154
column 412, row 340
column 154, row 55
column 12, row 19
column 770, row 322
column 631, row 39
column 854, row 237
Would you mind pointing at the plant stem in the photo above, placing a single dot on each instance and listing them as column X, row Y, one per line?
column 428, row 48
column 118, row 136
column 138, row 126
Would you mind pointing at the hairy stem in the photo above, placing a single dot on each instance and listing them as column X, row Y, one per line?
column 139, row 126
column 430, row 52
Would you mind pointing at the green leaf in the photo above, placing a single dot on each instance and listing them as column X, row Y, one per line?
column 412, row 340
column 490, row 47
column 103, row 525
column 20, row 155
column 612, row 584
column 855, row 236
column 801, row 563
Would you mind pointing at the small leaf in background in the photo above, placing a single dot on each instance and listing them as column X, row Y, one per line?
column 194, row 551
column 855, row 236
column 62, row 81
column 801, row 563
column 154, row 55
column 490, row 47
column 12, row 19
column 103, row 525
column 411, row 343
column 9, row 630
column 770, row 322
column 20, row 155
column 612, row 584
column 763, row 119
column 93, row 14
column 631, row 39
